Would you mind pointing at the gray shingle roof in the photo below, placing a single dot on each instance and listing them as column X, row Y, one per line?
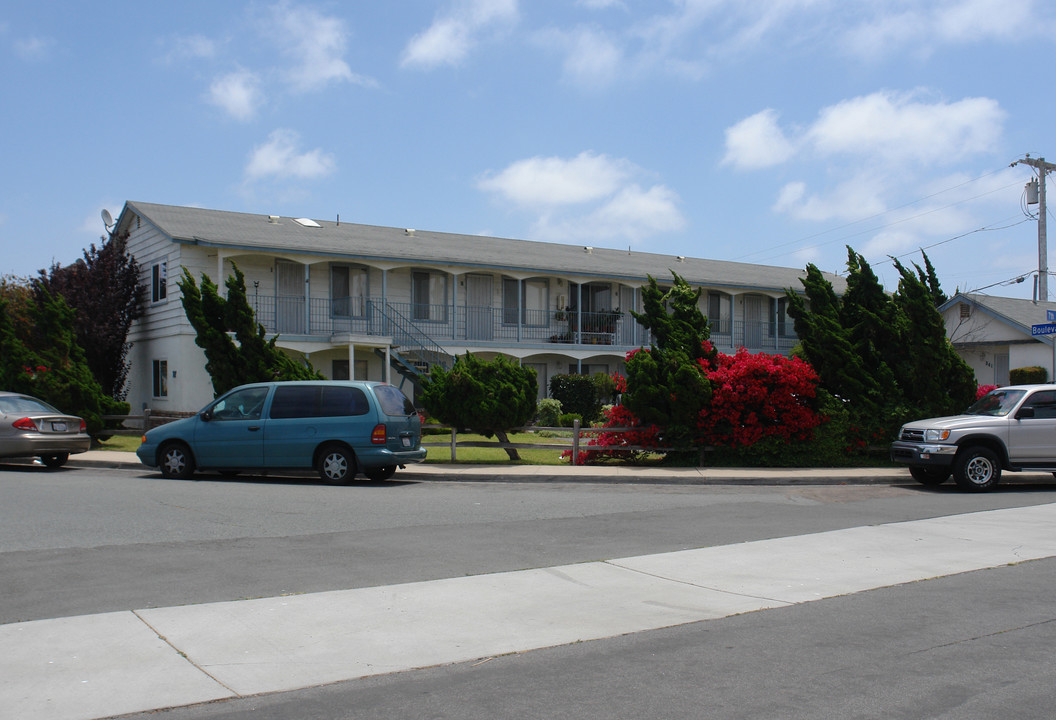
column 220, row 228
column 1014, row 311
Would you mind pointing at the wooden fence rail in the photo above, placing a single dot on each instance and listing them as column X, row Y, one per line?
column 139, row 424
column 574, row 443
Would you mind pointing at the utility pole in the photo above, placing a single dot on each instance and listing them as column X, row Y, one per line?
column 1043, row 169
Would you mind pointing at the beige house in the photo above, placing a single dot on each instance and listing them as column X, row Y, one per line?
column 382, row 303
column 993, row 335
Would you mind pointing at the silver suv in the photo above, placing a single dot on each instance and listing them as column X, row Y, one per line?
column 1010, row 428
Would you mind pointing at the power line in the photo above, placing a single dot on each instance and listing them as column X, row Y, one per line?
column 881, row 214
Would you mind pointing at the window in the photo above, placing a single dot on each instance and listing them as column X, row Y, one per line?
column 300, row 401
column 158, row 278
column 597, row 297
column 160, row 375
column 392, row 401
column 1044, row 404
column 535, row 299
column 340, row 370
column 783, row 324
column 348, row 290
column 429, row 295
column 719, row 312
column 245, row 404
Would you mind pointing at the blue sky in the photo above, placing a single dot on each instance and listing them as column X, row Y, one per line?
column 772, row 131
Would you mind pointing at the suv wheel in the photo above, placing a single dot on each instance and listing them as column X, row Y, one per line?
column 976, row 469
column 929, row 475
column 337, row 465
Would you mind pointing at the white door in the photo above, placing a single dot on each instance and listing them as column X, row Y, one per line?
column 479, row 307
column 753, row 321
column 289, row 297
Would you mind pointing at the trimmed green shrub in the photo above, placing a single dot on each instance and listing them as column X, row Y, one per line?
column 569, row 419
column 548, row 412
column 577, row 394
column 1028, row 375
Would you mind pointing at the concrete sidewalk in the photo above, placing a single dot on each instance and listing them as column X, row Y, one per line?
column 596, row 473
column 79, row 668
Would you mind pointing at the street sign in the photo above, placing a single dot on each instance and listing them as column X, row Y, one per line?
column 1046, row 329
column 1051, row 315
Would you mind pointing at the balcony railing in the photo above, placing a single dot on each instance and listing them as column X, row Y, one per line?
column 442, row 324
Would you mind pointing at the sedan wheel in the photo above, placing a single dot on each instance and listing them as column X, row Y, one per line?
column 176, row 461
column 55, row 461
column 976, row 469
column 337, row 465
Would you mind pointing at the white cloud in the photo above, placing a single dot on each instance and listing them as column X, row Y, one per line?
column 590, row 197
column 757, row 142
column 281, row 158
column 237, row 93
column 316, row 45
column 450, row 38
column 897, row 127
column 592, row 58
column 554, row 181
column 921, row 27
column 886, row 128
column 33, row 48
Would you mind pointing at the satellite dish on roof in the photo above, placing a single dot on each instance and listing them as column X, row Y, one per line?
column 108, row 219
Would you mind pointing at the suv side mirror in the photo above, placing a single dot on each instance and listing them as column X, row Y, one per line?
column 1025, row 412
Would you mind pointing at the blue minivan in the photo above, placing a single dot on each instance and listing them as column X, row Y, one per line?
column 339, row 428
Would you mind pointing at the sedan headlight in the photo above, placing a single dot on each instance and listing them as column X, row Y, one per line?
column 936, row 435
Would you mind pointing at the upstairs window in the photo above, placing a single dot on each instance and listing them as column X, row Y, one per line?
column 158, row 280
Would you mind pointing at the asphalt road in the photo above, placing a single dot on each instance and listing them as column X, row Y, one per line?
column 85, row 541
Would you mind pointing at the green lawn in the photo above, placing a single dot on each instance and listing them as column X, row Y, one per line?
column 123, row 443
column 541, row 456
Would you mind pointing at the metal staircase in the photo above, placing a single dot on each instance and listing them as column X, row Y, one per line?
column 413, row 351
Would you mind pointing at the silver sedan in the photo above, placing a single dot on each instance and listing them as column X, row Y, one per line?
column 31, row 428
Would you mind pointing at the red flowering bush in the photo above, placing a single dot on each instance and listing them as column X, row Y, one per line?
column 614, row 445
column 983, row 390
column 757, row 396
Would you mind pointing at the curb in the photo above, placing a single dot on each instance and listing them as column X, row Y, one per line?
column 622, row 475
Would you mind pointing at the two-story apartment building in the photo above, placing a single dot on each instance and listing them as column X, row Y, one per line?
column 382, row 303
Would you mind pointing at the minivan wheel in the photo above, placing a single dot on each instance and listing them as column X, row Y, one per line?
column 55, row 460
column 976, row 469
column 929, row 475
column 382, row 473
column 337, row 465
column 176, row 461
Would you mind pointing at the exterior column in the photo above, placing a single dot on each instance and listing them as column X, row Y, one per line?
column 351, row 361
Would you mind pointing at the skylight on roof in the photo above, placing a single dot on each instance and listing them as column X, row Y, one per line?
column 307, row 222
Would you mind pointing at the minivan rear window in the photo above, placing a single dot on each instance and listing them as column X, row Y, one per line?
column 392, row 401
column 297, row 401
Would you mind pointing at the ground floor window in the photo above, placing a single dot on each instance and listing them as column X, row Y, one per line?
column 160, row 378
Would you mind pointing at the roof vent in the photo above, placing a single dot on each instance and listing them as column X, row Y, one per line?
column 409, row 231
column 588, row 249
column 306, row 222
column 680, row 258
column 273, row 219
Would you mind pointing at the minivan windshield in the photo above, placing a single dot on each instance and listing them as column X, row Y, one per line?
column 996, row 402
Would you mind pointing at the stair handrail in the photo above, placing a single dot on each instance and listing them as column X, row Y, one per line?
column 406, row 332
